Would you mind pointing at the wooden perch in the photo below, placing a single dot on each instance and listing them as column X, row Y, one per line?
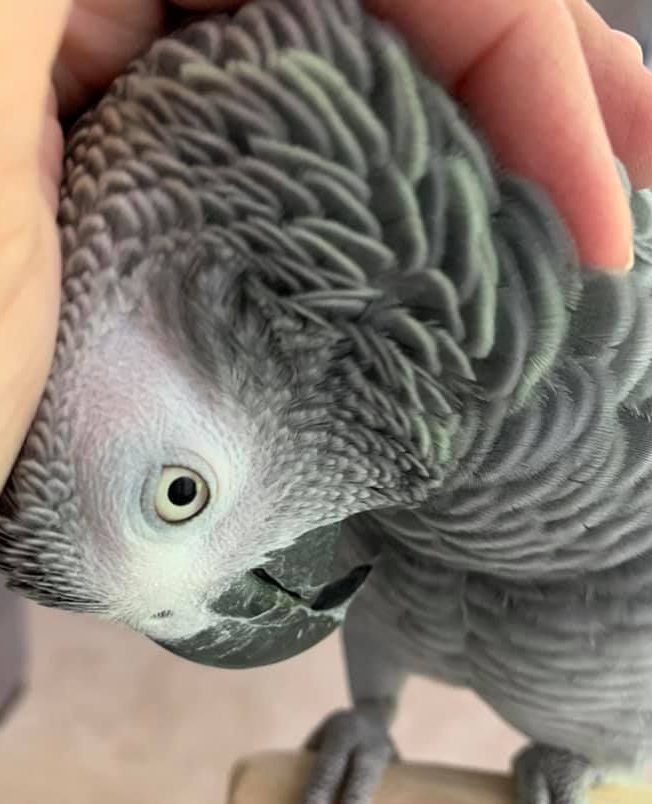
column 280, row 778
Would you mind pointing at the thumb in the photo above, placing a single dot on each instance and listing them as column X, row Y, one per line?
column 29, row 40
column 521, row 70
column 29, row 253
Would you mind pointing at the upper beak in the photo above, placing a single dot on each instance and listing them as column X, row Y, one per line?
column 332, row 595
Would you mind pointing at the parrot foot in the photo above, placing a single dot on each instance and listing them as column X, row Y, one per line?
column 353, row 749
column 547, row 775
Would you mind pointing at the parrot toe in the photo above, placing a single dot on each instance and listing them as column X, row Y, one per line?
column 353, row 749
column 547, row 775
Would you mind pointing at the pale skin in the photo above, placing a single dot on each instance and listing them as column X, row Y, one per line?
column 556, row 92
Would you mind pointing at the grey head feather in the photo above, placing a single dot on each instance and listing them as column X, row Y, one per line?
column 285, row 246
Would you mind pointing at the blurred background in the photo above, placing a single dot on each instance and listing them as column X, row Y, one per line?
column 109, row 718
column 106, row 716
column 631, row 16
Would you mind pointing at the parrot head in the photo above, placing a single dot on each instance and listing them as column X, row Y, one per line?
column 241, row 365
column 192, row 463
column 179, row 477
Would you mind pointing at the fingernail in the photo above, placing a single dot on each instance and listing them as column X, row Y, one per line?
column 630, row 262
column 625, row 268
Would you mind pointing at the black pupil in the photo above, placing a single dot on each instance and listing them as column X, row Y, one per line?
column 182, row 491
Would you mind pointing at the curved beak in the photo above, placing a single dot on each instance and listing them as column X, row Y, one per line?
column 269, row 625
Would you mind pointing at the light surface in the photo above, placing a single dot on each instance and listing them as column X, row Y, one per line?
column 279, row 779
column 111, row 719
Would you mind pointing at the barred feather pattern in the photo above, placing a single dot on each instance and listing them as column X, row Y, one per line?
column 558, row 484
column 310, row 140
column 510, row 387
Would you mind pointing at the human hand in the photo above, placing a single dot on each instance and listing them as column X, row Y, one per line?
column 51, row 60
column 548, row 82
column 555, row 91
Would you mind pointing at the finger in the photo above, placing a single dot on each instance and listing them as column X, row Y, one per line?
column 28, row 46
column 51, row 152
column 101, row 38
column 624, row 88
column 535, row 102
column 29, row 279
column 29, row 295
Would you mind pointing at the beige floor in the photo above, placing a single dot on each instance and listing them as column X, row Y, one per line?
column 109, row 717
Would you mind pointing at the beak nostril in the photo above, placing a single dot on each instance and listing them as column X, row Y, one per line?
column 331, row 596
column 265, row 577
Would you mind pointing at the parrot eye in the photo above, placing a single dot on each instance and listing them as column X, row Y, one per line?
column 181, row 494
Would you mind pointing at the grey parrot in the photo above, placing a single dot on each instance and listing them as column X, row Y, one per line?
column 321, row 361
